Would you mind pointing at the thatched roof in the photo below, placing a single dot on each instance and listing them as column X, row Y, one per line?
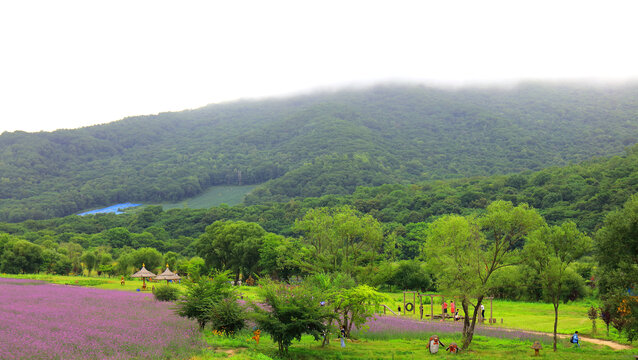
column 167, row 275
column 143, row 273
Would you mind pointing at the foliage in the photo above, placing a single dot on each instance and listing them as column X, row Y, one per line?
column 230, row 245
column 550, row 250
column 411, row 275
column 227, row 316
column 353, row 306
column 202, row 295
column 618, row 258
column 289, row 312
column 21, row 256
column 165, row 292
column 342, row 238
column 466, row 251
column 281, row 257
column 592, row 314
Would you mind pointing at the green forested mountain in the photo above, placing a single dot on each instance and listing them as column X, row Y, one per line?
column 313, row 145
column 584, row 193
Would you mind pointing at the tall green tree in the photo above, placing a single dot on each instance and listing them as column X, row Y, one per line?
column 231, row 245
column 343, row 238
column 464, row 252
column 550, row 250
column 90, row 261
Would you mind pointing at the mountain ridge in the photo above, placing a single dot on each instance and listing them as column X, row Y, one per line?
column 387, row 134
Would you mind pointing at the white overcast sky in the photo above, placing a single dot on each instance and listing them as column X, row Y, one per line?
column 66, row 64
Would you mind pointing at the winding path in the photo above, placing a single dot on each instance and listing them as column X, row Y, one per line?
column 612, row 344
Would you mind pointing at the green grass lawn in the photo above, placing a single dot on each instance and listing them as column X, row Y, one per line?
column 413, row 347
column 214, row 196
column 523, row 315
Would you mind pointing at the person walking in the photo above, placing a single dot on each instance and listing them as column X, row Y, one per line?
column 482, row 312
column 452, row 307
column 574, row 339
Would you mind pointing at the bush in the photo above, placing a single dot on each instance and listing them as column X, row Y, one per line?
column 290, row 312
column 574, row 287
column 227, row 316
column 202, row 295
column 166, row 292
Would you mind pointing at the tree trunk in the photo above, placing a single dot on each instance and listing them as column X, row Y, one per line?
column 555, row 321
column 466, row 319
column 326, row 336
column 468, row 333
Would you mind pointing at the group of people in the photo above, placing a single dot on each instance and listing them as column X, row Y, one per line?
column 453, row 310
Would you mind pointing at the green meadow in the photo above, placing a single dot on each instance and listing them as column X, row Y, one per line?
column 405, row 347
column 214, row 196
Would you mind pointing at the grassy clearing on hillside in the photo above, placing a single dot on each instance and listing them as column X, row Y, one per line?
column 214, row 196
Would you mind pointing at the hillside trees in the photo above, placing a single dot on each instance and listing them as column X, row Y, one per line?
column 315, row 145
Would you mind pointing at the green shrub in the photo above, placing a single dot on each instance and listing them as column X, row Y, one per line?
column 202, row 295
column 166, row 292
column 227, row 316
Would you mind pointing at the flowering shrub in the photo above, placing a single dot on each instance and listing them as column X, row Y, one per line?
column 48, row 321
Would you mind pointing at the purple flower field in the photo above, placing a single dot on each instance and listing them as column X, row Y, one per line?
column 47, row 321
column 396, row 327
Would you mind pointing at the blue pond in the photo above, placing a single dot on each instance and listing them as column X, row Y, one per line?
column 111, row 209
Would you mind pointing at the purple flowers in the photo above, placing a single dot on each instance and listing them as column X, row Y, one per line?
column 47, row 321
column 397, row 326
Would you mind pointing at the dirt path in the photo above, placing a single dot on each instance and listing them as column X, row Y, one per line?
column 612, row 344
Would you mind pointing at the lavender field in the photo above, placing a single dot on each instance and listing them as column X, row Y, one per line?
column 395, row 327
column 47, row 321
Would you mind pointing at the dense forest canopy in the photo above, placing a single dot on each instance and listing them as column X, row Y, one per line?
column 313, row 145
column 584, row 193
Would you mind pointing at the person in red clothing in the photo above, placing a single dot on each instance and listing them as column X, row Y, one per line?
column 452, row 307
column 444, row 310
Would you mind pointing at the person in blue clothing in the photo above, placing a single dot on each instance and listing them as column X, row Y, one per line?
column 574, row 339
column 343, row 336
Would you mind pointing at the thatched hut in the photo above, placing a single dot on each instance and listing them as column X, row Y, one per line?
column 167, row 275
column 143, row 273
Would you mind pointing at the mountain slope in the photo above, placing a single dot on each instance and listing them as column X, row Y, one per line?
column 313, row 145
